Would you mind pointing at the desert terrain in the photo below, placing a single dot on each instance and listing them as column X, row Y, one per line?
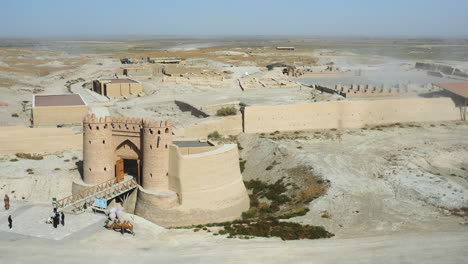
column 395, row 193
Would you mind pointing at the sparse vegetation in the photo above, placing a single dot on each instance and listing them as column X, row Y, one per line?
column 69, row 83
column 226, row 111
column 270, row 202
column 13, row 160
column 87, row 85
column 14, row 115
column 29, row 156
column 214, row 135
column 272, row 165
column 275, row 228
column 30, row 171
column 242, row 165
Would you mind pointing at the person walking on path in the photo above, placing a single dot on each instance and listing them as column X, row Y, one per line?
column 63, row 218
column 10, row 222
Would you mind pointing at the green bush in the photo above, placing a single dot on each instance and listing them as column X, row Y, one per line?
column 242, row 165
column 29, row 156
column 226, row 111
column 251, row 213
column 214, row 135
column 14, row 115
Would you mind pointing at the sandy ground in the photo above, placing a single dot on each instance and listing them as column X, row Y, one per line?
column 394, row 180
column 94, row 244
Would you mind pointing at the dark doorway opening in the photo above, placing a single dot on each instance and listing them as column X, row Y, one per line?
column 131, row 167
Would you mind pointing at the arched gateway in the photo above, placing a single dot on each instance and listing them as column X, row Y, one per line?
column 113, row 146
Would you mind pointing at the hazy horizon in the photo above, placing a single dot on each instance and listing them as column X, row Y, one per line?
column 215, row 19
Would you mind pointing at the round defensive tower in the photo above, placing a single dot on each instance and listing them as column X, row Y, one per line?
column 156, row 138
column 98, row 152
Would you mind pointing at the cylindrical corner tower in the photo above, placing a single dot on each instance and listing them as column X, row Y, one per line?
column 98, row 152
column 155, row 145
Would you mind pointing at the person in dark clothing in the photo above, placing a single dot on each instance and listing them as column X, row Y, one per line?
column 56, row 220
column 63, row 218
column 10, row 222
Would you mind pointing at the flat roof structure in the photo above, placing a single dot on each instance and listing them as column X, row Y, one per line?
column 58, row 100
column 459, row 88
column 118, row 80
column 58, row 109
column 192, row 144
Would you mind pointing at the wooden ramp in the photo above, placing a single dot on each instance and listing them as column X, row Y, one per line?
column 107, row 190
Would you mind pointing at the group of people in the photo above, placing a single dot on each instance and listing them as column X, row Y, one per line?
column 57, row 218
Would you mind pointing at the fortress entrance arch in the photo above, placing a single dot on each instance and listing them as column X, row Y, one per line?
column 127, row 161
column 115, row 146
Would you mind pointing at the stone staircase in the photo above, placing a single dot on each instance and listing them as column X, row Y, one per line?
column 106, row 191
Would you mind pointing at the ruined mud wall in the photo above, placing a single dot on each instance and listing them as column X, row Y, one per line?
column 344, row 114
column 210, row 81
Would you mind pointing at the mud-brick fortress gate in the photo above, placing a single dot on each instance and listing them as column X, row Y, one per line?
column 180, row 183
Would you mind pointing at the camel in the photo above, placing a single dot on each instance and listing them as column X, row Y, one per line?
column 122, row 226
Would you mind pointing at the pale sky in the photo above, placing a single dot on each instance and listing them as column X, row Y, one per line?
column 373, row 18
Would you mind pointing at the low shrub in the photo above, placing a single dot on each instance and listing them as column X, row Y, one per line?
column 226, row 111
column 14, row 115
column 29, row 156
column 242, row 165
column 251, row 213
column 214, row 135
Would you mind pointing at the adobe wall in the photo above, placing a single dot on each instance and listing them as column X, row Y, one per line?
column 204, row 188
column 227, row 125
column 196, row 150
column 59, row 115
column 137, row 72
column 210, row 81
column 116, row 90
column 207, row 180
column 176, row 217
column 347, row 114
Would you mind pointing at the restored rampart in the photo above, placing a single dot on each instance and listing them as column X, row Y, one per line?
column 227, row 125
column 347, row 114
column 204, row 187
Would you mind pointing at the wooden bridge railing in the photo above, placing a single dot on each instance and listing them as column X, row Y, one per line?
column 85, row 193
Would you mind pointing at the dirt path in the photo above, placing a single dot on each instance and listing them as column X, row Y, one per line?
column 443, row 247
